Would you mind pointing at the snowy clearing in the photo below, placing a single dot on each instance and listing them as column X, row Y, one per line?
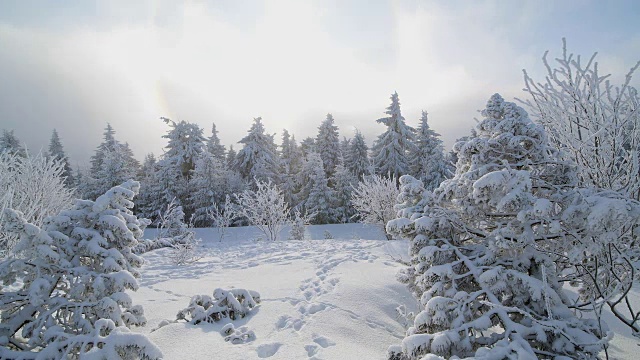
column 321, row 299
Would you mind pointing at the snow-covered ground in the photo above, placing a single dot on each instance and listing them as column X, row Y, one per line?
column 321, row 299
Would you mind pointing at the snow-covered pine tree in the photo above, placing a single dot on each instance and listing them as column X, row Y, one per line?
column 231, row 157
column 344, row 147
column 112, row 164
column 185, row 144
column 357, row 156
column 73, row 272
column 149, row 201
column 211, row 183
column 214, row 147
column 343, row 183
column 290, row 166
column 307, row 146
column 316, row 195
column 328, row 145
column 56, row 151
column 257, row 160
column 175, row 168
column 390, row 151
column 428, row 163
column 9, row 143
column 109, row 143
column 479, row 269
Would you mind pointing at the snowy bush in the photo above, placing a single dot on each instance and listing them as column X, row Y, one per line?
column 232, row 304
column 64, row 296
column 487, row 258
column 264, row 208
column 223, row 216
column 33, row 185
column 327, row 235
column 596, row 123
column 374, row 199
column 299, row 225
column 173, row 233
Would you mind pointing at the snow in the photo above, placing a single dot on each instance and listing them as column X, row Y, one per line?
column 320, row 299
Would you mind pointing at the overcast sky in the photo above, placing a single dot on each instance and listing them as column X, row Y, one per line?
column 76, row 65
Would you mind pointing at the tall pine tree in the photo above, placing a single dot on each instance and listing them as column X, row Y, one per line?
column 257, row 160
column 56, row 151
column 357, row 156
column 328, row 145
column 390, row 151
column 428, row 162
column 214, row 147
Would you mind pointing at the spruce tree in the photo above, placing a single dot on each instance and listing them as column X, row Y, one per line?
column 213, row 145
column 328, row 145
column 290, row 166
column 481, row 267
column 343, row 183
column 317, row 196
column 9, row 142
column 357, row 156
column 231, row 157
column 257, row 160
column 428, row 162
column 390, row 151
column 56, row 151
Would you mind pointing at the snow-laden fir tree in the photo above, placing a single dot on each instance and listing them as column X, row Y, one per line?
column 211, row 183
column 317, row 197
column 214, row 147
column 480, row 269
column 357, row 157
column 112, row 163
column 231, row 157
column 391, row 150
column 257, row 160
column 63, row 292
column 328, row 145
column 428, row 163
column 307, row 146
column 344, row 147
column 56, row 151
column 184, row 146
column 148, row 202
column 175, row 168
column 291, row 161
column 9, row 143
column 343, row 183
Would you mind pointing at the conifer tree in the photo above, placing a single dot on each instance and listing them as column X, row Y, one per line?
column 357, row 156
column 231, row 157
column 9, row 142
column 213, row 145
column 71, row 301
column 428, row 163
column 328, row 145
column 343, row 183
column 317, row 194
column 149, row 201
column 390, row 151
column 290, row 166
column 56, row 151
column 257, row 160
column 481, row 267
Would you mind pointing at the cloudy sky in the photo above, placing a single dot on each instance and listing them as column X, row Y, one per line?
column 76, row 65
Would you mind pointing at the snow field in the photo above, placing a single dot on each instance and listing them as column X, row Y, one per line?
column 321, row 299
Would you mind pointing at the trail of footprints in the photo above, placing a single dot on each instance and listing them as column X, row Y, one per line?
column 313, row 288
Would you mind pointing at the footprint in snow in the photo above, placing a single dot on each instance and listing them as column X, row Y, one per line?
column 268, row 350
column 323, row 341
column 311, row 350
